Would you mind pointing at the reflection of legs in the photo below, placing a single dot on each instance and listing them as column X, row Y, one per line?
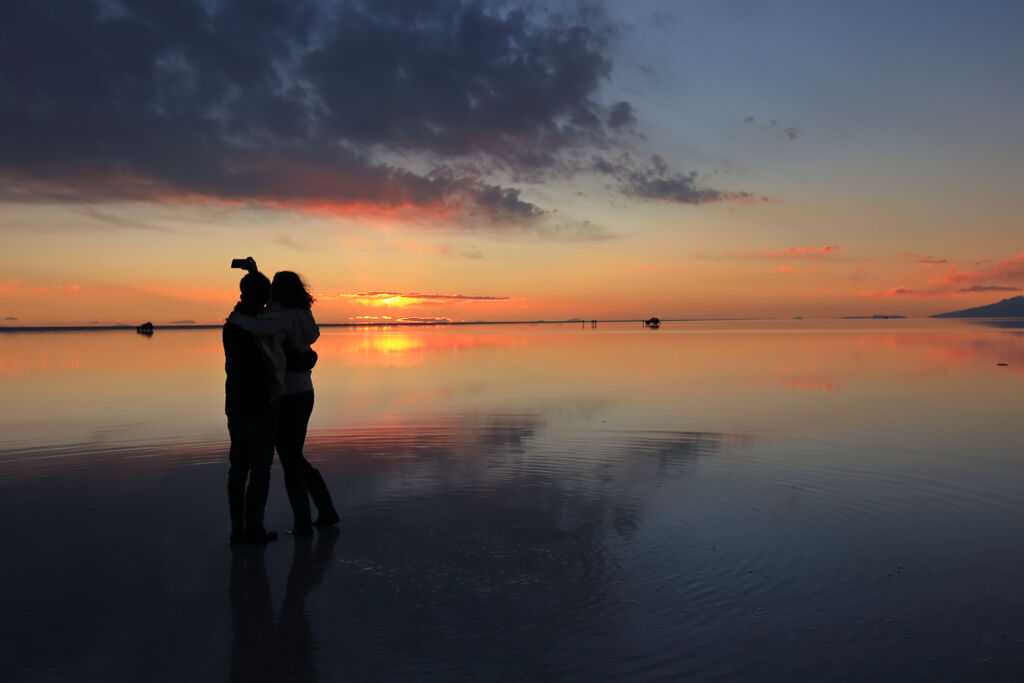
column 252, row 646
column 294, row 632
column 237, row 473
column 293, row 417
column 296, row 636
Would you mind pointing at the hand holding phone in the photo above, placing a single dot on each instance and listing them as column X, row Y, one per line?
column 248, row 263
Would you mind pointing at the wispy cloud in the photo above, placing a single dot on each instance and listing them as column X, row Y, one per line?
column 922, row 258
column 908, row 292
column 434, row 320
column 286, row 240
column 404, row 299
column 773, row 126
column 812, row 252
column 991, row 288
column 656, row 180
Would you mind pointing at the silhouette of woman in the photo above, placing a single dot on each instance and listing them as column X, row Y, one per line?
column 291, row 328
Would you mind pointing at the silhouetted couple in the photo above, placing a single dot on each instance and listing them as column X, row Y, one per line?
column 269, row 398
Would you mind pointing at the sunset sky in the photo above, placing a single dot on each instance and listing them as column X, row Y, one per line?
column 437, row 159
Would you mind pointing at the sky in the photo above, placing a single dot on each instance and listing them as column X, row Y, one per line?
column 421, row 160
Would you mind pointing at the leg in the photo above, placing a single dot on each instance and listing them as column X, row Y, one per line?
column 313, row 481
column 238, row 471
column 293, row 416
column 259, row 443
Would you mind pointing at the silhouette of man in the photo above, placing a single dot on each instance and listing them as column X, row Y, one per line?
column 249, row 403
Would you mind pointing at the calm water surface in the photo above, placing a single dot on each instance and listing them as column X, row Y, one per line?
column 800, row 500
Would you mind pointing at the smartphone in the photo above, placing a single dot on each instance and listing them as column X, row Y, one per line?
column 242, row 263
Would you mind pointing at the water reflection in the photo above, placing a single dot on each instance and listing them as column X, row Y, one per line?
column 478, row 553
column 702, row 502
column 265, row 649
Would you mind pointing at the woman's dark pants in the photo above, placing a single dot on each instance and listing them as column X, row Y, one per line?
column 302, row 481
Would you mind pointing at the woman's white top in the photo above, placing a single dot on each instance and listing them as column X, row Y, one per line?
column 272, row 328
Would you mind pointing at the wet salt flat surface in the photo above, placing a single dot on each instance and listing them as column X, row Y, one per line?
column 764, row 501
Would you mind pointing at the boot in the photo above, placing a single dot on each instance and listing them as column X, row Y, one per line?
column 298, row 496
column 255, row 500
column 321, row 498
column 236, row 507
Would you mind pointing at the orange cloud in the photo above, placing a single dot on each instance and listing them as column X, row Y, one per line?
column 403, row 299
column 428, row 320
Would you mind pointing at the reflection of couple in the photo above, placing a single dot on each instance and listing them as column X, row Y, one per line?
column 260, row 649
column 269, row 398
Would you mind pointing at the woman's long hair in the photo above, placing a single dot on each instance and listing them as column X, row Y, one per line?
column 290, row 290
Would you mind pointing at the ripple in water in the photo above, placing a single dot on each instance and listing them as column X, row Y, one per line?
column 488, row 545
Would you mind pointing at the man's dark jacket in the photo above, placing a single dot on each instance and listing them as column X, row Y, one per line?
column 249, row 385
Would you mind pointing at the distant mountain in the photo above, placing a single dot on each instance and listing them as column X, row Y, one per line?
column 1007, row 308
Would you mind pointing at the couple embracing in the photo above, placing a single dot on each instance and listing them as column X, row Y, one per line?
column 269, row 398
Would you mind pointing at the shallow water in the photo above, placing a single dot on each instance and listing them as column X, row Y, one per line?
column 798, row 500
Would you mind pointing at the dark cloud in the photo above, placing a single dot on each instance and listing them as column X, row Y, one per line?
column 183, row 322
column 10, row 317
column 621, row 115
column 991, row 288
column 350, row 106
column 657, row 181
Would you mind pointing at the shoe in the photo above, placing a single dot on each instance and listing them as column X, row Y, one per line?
column 327, row 519
column 259, row 536
column 236, row 537
column 302, row 531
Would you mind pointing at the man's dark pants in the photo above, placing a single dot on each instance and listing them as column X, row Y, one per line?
column 252, row 453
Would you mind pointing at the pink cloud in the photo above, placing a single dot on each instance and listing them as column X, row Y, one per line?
column 955, row 276
column 1010, row 270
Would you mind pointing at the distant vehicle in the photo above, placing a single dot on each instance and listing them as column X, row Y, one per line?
column 652, row 322
column 145, row 328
